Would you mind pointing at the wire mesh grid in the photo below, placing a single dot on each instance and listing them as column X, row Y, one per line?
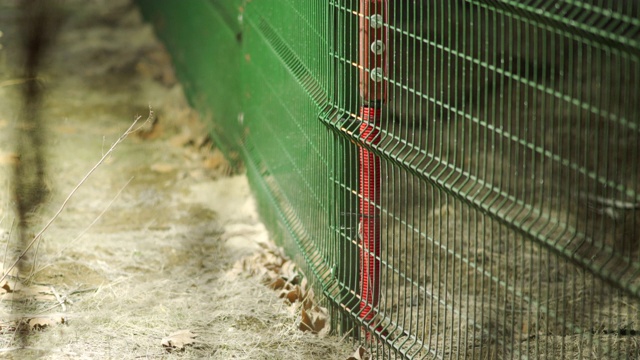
column 510, row 214
column 477, row 197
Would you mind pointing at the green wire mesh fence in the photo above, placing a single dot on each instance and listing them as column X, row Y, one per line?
column 509, row 150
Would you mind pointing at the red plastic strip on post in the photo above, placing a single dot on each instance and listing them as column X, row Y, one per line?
column 369, row 221
column 372, row 58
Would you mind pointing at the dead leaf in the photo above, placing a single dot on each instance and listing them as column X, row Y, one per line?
column 43, row 322
column 5, row 286
column 150, row 130
column 308, row 303
column 267, row 274
column 290, row 273
column 215, row 160
column 9, row 158
column 272, row 261
column 278, row 283
column 281, row 274
column 12, row 286
column 162, row 168
column 180, row 140
column 156, row 65
column 13, row 290
column 360, row 354
column 305, row 322
column 178, row 340
column 314, row 320
column 292, row 295
column 200, row 141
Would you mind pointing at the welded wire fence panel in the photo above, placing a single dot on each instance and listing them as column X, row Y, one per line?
column 510, row 209
column 288, row 151
column 507, row 223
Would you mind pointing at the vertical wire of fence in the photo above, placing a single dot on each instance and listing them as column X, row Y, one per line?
column 509, row 166
column 507, row 152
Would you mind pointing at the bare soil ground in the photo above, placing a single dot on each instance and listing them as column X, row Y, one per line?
column 147, row 245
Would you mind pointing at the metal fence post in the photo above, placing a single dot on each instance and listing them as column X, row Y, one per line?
column 372, row 63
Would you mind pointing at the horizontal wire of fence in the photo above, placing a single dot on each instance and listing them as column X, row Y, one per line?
column 459, row 179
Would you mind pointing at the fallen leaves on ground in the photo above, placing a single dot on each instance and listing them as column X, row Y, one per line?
column 14, row 290
column 11, row 289
column 150, row 130
column 314, row 320
column 178, row 340
column 293, row 294
column 156, row 64
column 162, row 168
column 277, row 272
column 198, row 148
column 31, row 322
column 9, row 158
column 45, row 321
column 215, row 160
column 360, row 354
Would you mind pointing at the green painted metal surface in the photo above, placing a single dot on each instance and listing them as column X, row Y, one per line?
column 196, row 35
column 260, row 73
column 290, row 152
column 510, row 158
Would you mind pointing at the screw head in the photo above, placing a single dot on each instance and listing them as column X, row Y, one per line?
column 376, row 74
column 377, row 47
column 375, row 21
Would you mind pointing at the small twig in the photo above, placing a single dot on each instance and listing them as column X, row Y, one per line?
column 46, row 310
column 15, row 333
column 74, row 292
column 124, row 135
column 60, row 301
column 99, row 215
column 6, row 246
column 12, row 82
column 73, row 242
